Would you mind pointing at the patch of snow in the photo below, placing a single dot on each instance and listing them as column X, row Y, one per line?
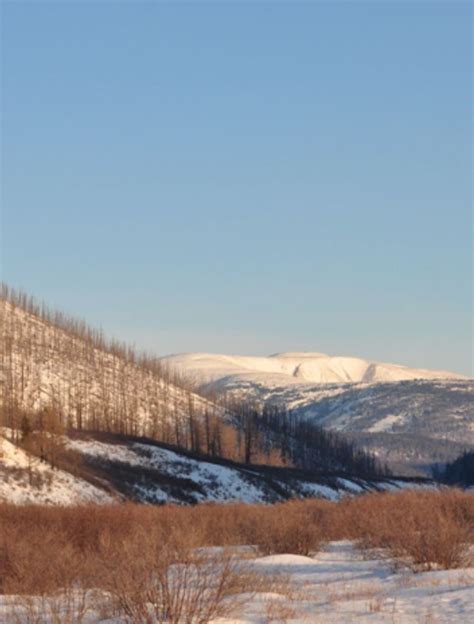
column 351, row 486
column 25, row 479
column 320, row 491
column 387, row 423
column 338, row 585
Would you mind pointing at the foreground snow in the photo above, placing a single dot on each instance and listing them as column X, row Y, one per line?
column 338, row 586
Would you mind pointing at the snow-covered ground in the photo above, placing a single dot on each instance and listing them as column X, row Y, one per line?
column 25, row 479
column 149, row 473
column 338, row 586
column 214, row 482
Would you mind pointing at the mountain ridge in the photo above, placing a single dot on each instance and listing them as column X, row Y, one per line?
column 305, row 367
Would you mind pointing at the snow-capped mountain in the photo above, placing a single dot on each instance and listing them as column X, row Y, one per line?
column 293, row 368
column 407, row 416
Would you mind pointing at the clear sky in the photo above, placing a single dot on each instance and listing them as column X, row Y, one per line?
column 244, row 177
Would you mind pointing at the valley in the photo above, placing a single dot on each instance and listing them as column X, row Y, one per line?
column 412, row 419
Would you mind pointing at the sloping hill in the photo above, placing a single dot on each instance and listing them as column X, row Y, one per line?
column 102, row 468
column 49, row 359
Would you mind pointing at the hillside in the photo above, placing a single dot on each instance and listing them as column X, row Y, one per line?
column 50, row 359
column 106, row 468
column 411, row 418
column 60, row 377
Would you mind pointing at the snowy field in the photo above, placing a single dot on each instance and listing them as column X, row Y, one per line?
column 338, row 586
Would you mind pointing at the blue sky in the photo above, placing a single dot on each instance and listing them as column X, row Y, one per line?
column 244, row 177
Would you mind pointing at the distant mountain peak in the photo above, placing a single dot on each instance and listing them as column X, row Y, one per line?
column 301, row 367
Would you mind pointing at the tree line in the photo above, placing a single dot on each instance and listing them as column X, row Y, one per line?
column 458, row 472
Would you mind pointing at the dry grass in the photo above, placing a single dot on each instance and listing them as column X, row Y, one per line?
column 422, row 530
column 184, row 564
column 288, row 528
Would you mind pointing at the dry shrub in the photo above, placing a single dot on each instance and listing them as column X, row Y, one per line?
column 421, row 529
column 431, row 537
column 151, row 558
column 296, row 527
column 47, row 575
column 152, row 579
column 288, row 528
column 279, row 611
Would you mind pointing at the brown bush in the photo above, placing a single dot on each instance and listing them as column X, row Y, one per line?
column 120, row 549
column 288, row 528
column 421, row 529
column 152, row 581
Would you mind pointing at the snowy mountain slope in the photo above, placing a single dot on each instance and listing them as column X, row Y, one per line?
column 440, row 409
column 101, row 468
column 404, row 415
column 42, row 363
column 292, row 368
